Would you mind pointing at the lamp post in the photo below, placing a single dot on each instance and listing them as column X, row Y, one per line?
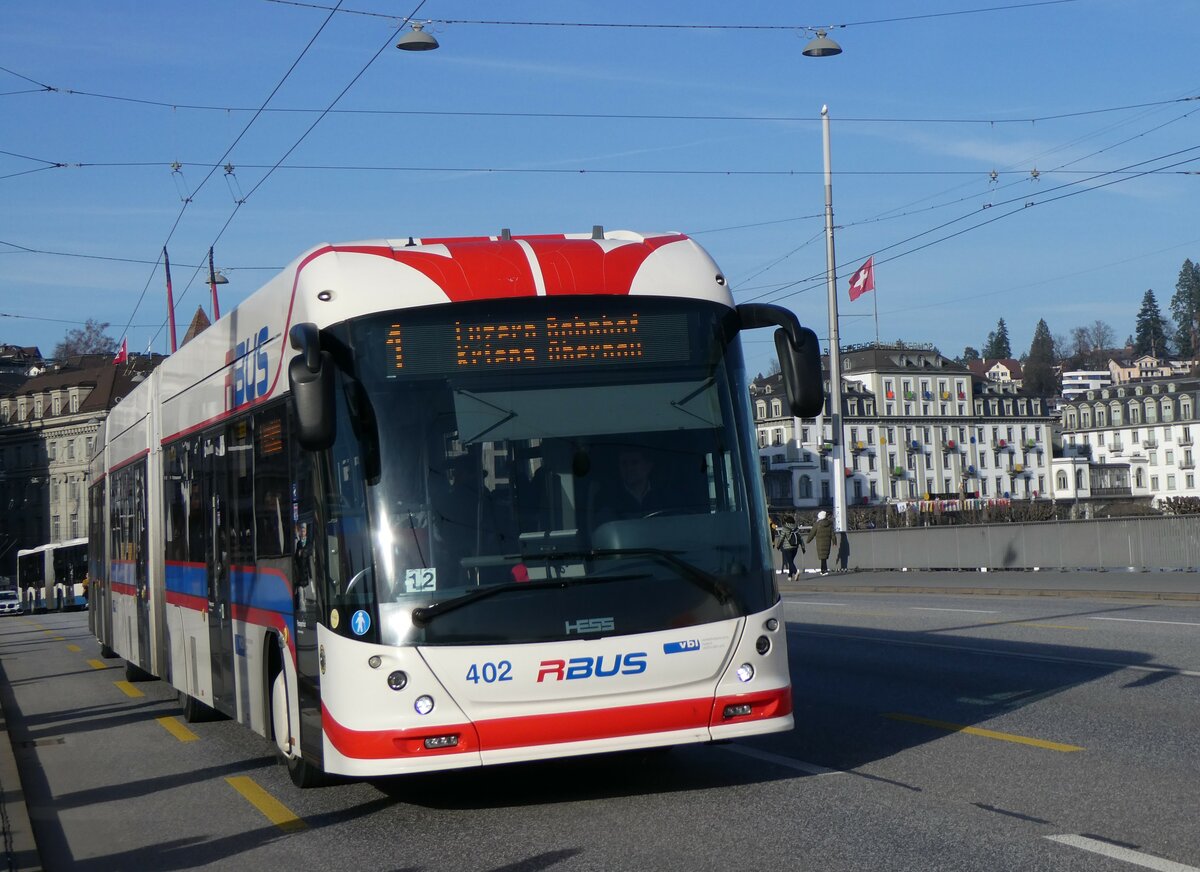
column 835, row 358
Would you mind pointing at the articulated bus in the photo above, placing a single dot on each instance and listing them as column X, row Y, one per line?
column 423, row 504
column 54, row 573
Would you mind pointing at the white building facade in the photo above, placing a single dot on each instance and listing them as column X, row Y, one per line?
column 917, row 427
column 1147, row 427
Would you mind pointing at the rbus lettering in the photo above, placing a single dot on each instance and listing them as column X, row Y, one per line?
column 250, row 369
column 592, row 667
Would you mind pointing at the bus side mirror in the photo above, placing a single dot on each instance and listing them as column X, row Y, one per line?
column 799, row 356
column 310, row 376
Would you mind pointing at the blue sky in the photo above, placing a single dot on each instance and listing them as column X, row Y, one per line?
column 490, row 131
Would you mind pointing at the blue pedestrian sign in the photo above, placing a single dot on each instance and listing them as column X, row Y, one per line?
column 360, row 623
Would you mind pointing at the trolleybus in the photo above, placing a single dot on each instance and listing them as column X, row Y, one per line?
column 52, row 574
column 422, row 504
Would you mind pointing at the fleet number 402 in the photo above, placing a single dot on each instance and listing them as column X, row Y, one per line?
column 489, row 673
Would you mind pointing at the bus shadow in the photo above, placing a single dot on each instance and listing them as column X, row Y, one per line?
column 572, row 779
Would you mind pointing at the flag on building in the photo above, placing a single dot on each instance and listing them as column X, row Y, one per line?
column 123, row 354
column 863, row 280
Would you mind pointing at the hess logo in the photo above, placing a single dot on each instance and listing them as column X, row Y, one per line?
column 592, row 667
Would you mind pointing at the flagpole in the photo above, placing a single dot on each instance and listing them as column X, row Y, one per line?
column 170, row 299
column 838, row 474
column 875, row 303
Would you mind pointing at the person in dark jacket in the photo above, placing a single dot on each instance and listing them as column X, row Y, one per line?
column 822, row 533
column 787, row 540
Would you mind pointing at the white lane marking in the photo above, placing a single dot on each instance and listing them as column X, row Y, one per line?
column 1146, row 621
column 972, row 611
column 780, row 760
column 1116, row 852
column 807, row 603
column 1020, row 655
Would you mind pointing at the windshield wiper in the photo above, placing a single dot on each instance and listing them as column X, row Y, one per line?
column 697, row 576
column 421, row 616
column 424, row 614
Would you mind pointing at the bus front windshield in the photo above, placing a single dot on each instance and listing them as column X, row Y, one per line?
column 548, row 469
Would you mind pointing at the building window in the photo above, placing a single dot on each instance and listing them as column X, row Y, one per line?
column 1139, row 477
column 1170, row 482
column 1062, row 479
column 760, row 410
column 74, row 403
column 71, row 447
column 1154, row 482
column 805, row 487
column 776, row 409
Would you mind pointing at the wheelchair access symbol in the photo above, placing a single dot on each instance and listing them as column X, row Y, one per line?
column 360, row 623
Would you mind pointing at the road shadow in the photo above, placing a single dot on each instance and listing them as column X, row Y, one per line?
column 850, row 682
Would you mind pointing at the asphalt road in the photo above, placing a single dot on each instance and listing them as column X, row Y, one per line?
column 934, row 732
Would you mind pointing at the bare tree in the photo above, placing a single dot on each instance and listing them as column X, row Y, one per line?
column 91, row 338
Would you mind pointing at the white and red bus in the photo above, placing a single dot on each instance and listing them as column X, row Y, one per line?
column 51, row 576
column 421, row 504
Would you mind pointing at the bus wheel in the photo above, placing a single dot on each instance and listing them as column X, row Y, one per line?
column 136, row 673
column 303, row 774
column 107, row 653
column 194, row 711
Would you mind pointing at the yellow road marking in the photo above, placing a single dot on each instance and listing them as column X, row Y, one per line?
column 176, row 729
column 97, row 664
column 60, row 639
column 987, row 734
column 274, row 810
column 128, row 689
column 74, row 648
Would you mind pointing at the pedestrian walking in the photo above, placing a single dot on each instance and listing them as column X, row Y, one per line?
column 822, row 533
column 788, row 541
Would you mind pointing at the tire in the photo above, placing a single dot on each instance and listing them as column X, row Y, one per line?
column 194, row 711
column 107, row 653
column 303, row 774
column 134, row 672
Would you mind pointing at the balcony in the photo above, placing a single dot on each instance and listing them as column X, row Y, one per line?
column 1116, row 448
column 1149, row 442
column 1112, row 492
column 1186, row 439
column 1187, row 463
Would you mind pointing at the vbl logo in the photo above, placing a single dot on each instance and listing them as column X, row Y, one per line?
column 589, row 667
column 248, row 376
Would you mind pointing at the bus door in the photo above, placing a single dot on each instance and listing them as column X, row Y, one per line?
column 218, row 558
column 141, row 564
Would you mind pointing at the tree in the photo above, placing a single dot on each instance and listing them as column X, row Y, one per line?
column 997, row 346
column 1151, row 337
column 969, row 354
column 1039, row 364
column 1185, row 309
column 91, row 338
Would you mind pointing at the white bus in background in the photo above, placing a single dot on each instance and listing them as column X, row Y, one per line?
column 51, row 576
column 380, row 512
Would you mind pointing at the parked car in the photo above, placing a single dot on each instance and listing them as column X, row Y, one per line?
column 10, row 602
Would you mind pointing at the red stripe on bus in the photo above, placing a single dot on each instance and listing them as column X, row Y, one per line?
column 127, row 589
column 549, row 729
column 145, row 452
column 187, row 601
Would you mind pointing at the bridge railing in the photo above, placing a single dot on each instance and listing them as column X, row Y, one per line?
column 1155, row 542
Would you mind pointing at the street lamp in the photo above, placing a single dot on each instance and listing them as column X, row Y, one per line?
column 418, row 40
column 835, row 357
column 822, row 47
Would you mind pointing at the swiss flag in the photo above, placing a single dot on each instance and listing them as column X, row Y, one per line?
column 123, row 354
column 863, row 280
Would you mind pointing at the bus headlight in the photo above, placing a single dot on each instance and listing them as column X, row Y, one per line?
column 745, row 672
column 423, row 705
column 398, row 680
column 762, row 645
